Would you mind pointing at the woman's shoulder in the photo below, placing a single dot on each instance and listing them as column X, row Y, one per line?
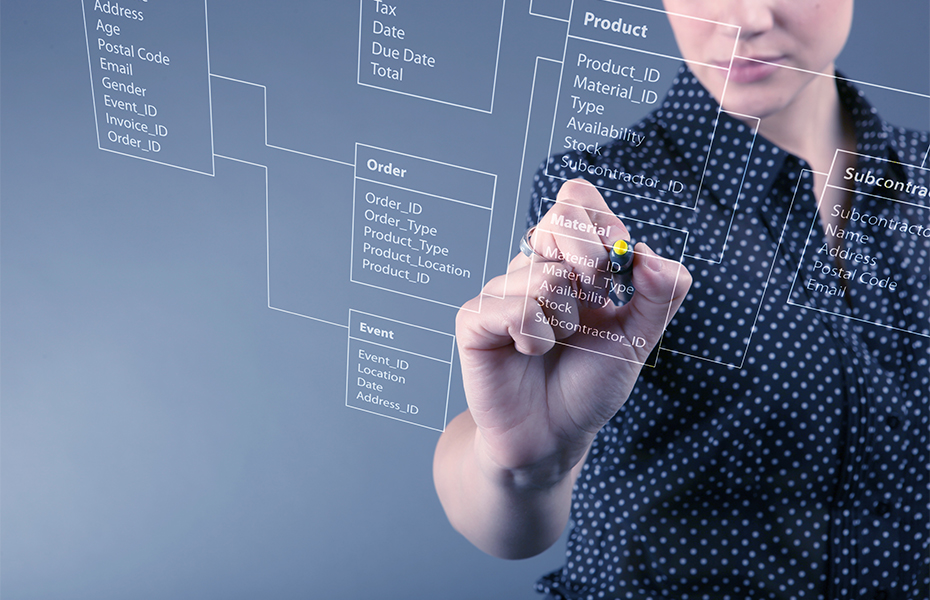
column 910, row 146
column 904, row 145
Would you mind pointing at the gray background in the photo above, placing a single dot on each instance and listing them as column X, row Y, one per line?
column 167, row 435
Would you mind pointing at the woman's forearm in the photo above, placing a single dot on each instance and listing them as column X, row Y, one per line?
column 506, row 513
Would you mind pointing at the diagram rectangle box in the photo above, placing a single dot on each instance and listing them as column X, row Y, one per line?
column 445, row 52
column 619, row 61
column 581, row 278
column 408, row 237
column 398, row 370
column 873, row 252
column 150, row 77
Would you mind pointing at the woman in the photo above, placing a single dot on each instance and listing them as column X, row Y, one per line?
column 798, row 470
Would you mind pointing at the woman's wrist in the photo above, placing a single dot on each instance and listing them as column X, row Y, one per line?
column 537, row 476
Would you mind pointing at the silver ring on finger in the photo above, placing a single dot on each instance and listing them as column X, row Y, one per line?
column 526, row 246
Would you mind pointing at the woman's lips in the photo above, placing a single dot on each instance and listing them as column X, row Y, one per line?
column 752, row 69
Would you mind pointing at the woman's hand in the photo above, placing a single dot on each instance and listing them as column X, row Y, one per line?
column 547, row 360
column 543, row 371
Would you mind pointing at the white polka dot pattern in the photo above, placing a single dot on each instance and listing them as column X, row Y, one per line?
column 775, row 451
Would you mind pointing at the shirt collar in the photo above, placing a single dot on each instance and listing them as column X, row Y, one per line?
column 872, row 134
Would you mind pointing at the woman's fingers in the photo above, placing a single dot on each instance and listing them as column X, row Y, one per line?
column 561, row 292
column 522, row 308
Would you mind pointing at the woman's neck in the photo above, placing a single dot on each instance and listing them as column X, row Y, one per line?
column 813, row 126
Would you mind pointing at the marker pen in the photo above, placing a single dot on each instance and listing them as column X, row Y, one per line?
column 620, row 265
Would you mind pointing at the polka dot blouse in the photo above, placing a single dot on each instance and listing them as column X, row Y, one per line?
column 779, row 448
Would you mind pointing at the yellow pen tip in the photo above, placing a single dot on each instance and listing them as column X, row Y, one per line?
column 621, row 247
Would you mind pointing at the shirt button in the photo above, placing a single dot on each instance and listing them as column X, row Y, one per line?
column 893, row 422
column 880, row 595
column 882, row 509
